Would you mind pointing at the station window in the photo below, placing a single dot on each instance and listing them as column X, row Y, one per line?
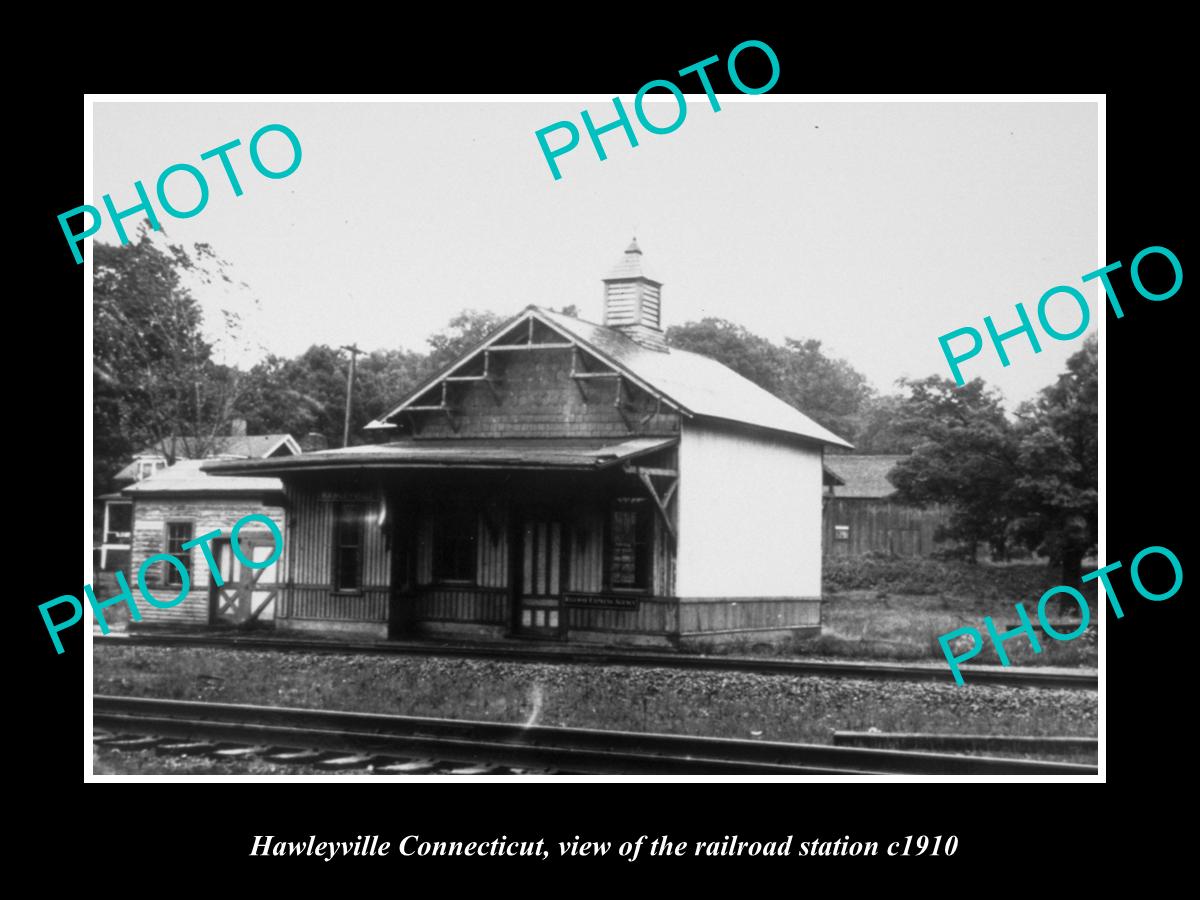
column 347, row 546
column 178, row 534
column 628, row 561
column 454, row 536
column 841, row 532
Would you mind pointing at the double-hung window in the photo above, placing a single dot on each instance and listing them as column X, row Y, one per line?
column 347, row 546
column 629, row 534
column 178, row 534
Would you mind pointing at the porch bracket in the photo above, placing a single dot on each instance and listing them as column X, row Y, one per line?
column 619, row 408
column 662, row 501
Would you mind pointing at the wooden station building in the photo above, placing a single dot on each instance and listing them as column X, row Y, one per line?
column 564, row 480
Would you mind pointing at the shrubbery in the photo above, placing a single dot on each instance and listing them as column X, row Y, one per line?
column 982, row 581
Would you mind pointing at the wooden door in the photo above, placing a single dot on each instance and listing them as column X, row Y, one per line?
column 248, row 595
column 542, row 577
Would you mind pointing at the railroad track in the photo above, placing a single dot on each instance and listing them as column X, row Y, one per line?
column 967, row 743
column 1025, row 677
column 528, row 747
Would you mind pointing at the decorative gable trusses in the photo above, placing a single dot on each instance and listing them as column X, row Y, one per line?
column 635, row 400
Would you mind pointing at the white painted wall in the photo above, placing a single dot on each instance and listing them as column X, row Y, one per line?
column 749, row 515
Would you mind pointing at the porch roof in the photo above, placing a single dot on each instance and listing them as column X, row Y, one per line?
column 465, row 453
column 188, row 477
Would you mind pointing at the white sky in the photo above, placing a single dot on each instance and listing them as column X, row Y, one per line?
column 872, row 227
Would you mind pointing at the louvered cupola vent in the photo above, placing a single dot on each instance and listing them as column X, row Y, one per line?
column 633, row 300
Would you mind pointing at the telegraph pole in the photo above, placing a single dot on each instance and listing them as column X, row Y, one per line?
column 353, row 350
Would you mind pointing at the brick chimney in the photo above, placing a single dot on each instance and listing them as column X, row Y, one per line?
column 632, row 300
column 237, row 427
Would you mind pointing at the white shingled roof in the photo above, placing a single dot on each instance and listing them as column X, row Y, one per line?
column 186, row 477
column 701, row 386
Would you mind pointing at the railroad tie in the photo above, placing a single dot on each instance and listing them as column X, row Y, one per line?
column 406, row 767
column 337, row 763
column 185, row 749
column 296, row 757
column 238, row 752
column 132, row 743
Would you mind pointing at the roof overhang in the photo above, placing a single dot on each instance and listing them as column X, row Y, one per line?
column 528, row 454
column 830, row 477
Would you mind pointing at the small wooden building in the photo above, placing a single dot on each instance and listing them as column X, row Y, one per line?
column 178, row 503
column 564, row 480
column 861, row 513
column 113, row 542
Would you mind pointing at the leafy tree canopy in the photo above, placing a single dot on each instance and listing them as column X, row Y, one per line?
column 826, row 389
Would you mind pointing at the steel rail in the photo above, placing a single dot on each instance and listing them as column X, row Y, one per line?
column 965, row 743
column 581, row 750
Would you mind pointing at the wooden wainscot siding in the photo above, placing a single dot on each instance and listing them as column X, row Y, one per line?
column 536, row 397
column 703, row 616
column 150, row 518
column 446, row 603
column 487, row 602
column 310, row 597
column 880, row 525
column 620, row 618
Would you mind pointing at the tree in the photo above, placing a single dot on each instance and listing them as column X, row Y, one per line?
column 154, row 378
column 828, row 390
column 878, row 427
column 307, row 394
column 298, row 396
column 965, row 456
column 464, row 331
column 1059, row 461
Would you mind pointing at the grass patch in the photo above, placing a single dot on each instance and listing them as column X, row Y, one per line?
column 897, row 608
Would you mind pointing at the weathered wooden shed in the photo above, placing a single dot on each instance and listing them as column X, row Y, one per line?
column 862, row 515
column 182, row 502
column 564, row 480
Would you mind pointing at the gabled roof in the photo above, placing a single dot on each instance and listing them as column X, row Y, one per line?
column 864, row 475
column 187, row 477
column 244, row 446
column 696, row 385
column 250, row 446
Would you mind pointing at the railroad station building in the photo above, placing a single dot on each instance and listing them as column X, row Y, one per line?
column 563, row 480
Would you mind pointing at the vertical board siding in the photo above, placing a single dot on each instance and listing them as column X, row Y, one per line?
column 554, row 559
column 492, row 563
column 310, row 594
column 465, row 604
column 880, row 525
column 585, row 569
column 425, row 551
column 318, row 602
column 663, row 563
column 652, row 615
